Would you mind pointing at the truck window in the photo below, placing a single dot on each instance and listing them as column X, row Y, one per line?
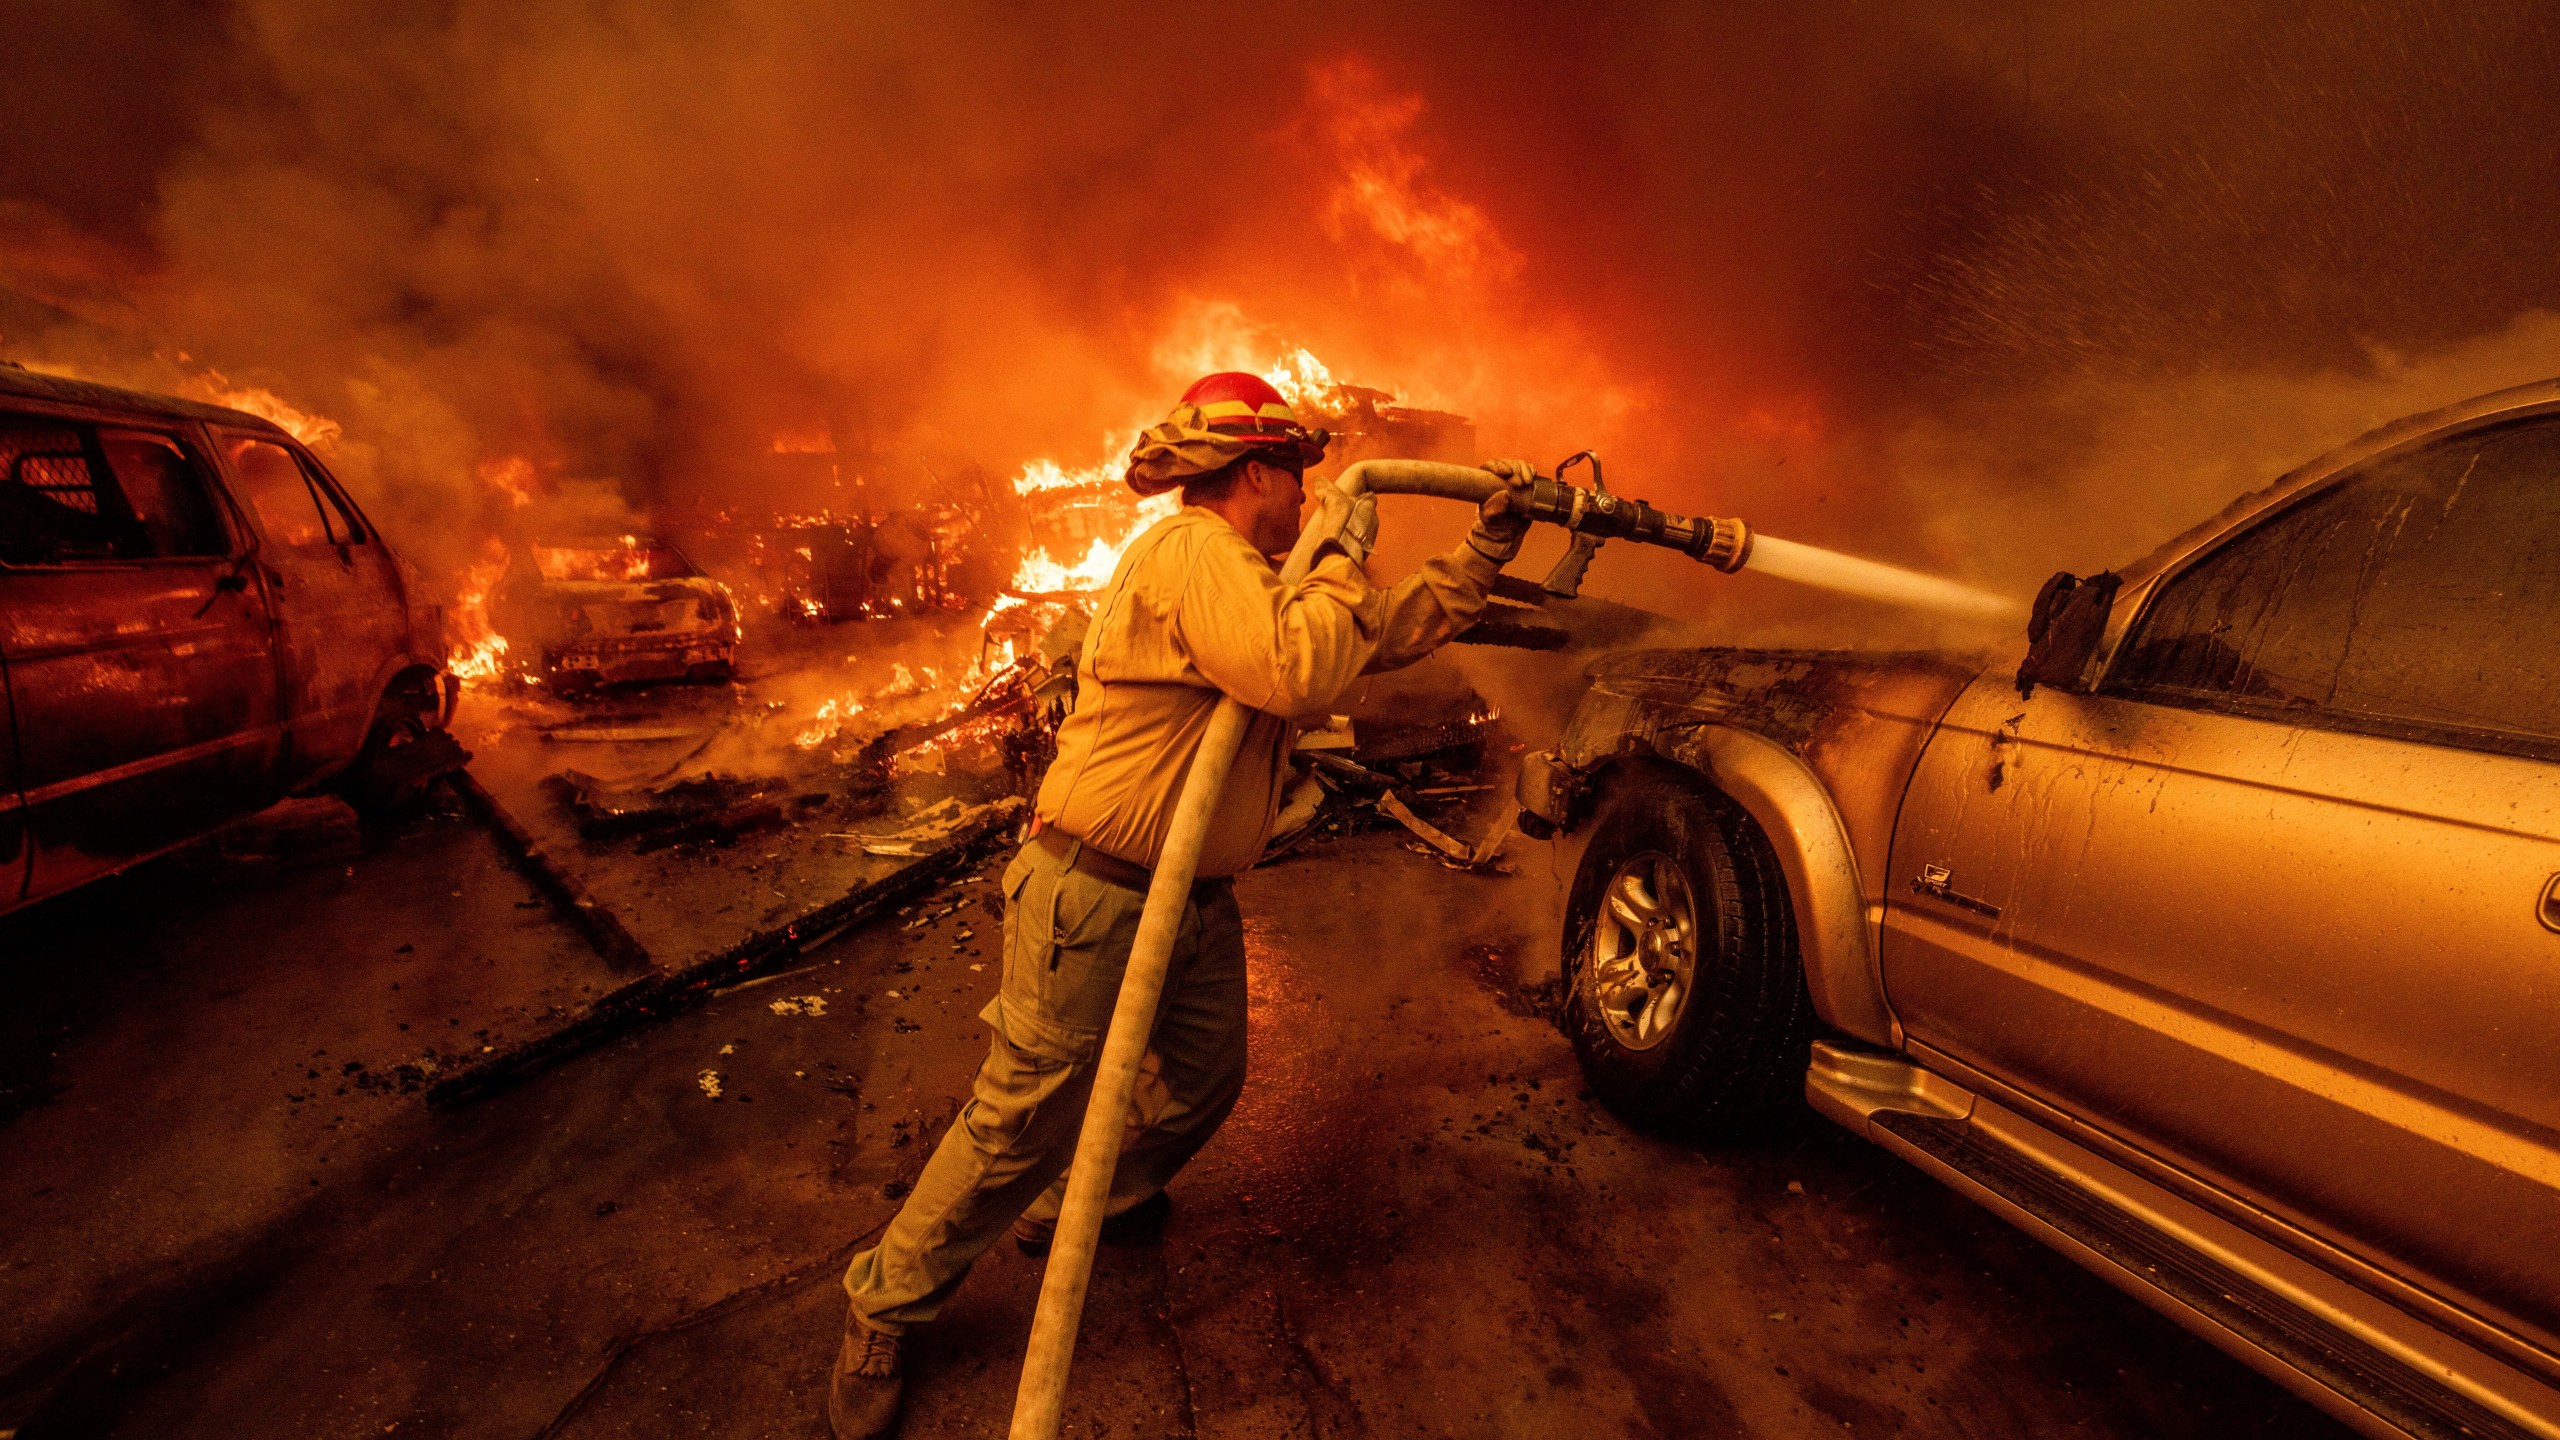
column 2418, row 596
column 335, row 512
column 294, row 509
column 56, row 505
column 166, row 493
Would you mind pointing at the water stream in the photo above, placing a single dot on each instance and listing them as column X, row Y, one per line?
column 1831, row 570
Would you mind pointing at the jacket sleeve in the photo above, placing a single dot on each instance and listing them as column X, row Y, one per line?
column 1420, row 612
column 1285, row 654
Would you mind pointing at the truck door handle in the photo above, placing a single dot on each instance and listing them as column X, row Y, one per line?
column 1932, row 882
column 2549, row 908
column 229, row 582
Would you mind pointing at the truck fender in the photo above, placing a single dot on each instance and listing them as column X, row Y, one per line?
column 1834, row 933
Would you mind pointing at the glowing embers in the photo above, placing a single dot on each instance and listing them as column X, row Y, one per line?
column 834, row 714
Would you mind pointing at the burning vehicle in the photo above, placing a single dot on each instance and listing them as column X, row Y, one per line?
column 195, row 621
column 600, row 610
column 2206, row 933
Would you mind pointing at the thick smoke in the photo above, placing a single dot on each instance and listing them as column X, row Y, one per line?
column 1984, row 287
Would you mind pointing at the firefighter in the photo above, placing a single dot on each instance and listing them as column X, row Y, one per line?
column 1195, row 610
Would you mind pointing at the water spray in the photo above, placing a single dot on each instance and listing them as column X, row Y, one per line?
column 1729, row 545
column 1591, row 514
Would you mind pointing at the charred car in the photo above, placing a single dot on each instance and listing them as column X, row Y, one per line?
column 597, row 610
column 2210, row 933
column 195, row 620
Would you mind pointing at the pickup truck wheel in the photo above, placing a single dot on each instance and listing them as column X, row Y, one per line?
column 1686, row 1000
column 377, row 800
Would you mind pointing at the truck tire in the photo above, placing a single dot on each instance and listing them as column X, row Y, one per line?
column 369, row 785
column 1684, row 995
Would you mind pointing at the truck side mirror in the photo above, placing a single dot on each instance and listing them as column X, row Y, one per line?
column 2063, row 630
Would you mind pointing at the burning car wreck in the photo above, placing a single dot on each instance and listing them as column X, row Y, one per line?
column 2164, row 933
column 593, row 611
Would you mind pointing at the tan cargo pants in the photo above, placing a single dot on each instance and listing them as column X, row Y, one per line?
column 1066, row 939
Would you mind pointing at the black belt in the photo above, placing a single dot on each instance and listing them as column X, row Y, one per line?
column 1111, row 869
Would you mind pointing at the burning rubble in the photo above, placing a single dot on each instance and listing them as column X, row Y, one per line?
column 957, row 664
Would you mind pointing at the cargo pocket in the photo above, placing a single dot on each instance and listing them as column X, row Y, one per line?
column 1023, row 1072
column 1065, row 947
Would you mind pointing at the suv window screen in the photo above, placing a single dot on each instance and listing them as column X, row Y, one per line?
column 292, row 508
column 53, row 508
column 2419, row 595
column 165, row 493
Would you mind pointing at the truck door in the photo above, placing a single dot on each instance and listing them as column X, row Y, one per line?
column 335, row 592
column 141, row 682
column 2276, row 904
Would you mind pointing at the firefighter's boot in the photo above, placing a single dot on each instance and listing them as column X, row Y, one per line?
column 868, row 1381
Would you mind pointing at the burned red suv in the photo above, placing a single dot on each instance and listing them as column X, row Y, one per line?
column 195, row 621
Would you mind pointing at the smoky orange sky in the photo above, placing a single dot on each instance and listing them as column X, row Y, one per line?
column 1987, row 287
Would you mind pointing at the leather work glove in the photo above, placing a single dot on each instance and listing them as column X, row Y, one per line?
column 1502, row 521
column 1354, row 523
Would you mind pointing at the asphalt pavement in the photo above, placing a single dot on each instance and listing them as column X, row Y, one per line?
column 1417, row 1223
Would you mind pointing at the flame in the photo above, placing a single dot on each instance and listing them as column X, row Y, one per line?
column 1382, row 189
column 629, row 557
column 1042, row 475
column 832, row 716
column 1108, row 509
column 509, row 475
column 809, row 440
column 477, row 652
column 1303, row 380
column 1039, row 574
column 317, row 431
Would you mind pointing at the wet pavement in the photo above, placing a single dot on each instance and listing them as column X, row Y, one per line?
column 1417, row 1223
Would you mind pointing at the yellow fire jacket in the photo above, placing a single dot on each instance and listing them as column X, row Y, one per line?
column 1193, row 612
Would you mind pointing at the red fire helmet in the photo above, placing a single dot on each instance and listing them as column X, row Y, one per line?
column 1221, row 419
column 1246, row 407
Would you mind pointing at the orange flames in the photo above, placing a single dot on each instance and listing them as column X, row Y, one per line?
column 833, row 715
column 509, row 475
column 1383, row 189
column 1109, row 514
column 477, row 653
column 1092, row 500
column 317, row 431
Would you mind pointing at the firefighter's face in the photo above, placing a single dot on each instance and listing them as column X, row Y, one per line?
column 1279, row 497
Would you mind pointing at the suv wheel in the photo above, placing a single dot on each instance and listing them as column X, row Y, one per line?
column 1685, row 996
column 374, row 784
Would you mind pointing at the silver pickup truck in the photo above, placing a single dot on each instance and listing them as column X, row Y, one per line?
column 2210, row 932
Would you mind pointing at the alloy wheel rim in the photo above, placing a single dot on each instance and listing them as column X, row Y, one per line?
column 1644, row 950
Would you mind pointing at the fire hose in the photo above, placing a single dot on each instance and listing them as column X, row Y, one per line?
column 1039, row 1405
